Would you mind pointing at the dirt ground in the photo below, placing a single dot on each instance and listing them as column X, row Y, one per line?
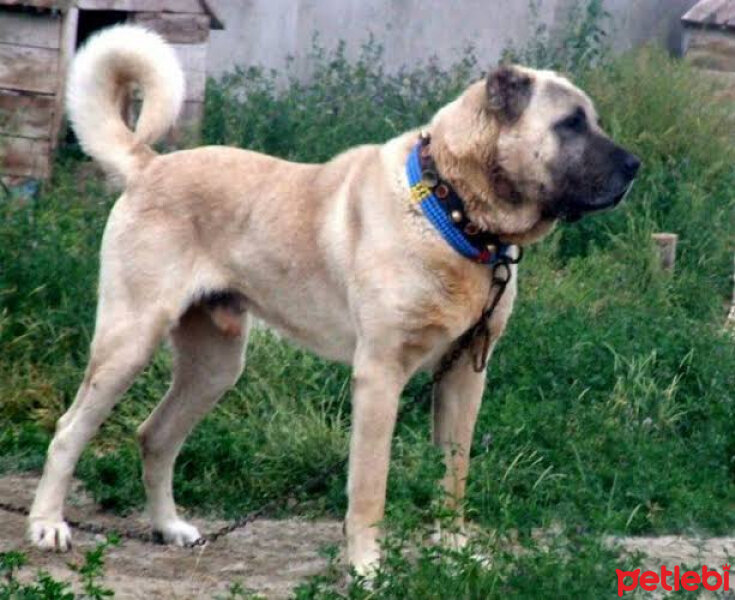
column 268, row 557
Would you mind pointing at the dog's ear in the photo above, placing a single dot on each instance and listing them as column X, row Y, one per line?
column 509, row 92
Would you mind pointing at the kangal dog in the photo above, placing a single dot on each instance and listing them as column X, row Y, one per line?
column 341, row 257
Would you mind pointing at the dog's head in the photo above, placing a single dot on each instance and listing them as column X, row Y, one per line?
column 524, row 148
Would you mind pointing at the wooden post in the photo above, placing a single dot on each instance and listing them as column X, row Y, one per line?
column 67, row 46
column 666, row 244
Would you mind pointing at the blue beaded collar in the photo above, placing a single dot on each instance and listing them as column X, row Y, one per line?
column 445, row 211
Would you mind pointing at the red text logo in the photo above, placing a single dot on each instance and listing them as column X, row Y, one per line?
column 673, row 581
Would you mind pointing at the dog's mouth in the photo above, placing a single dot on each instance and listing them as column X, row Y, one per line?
column 574, row 211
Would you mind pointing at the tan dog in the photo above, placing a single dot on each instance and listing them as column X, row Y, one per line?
column 336, row 256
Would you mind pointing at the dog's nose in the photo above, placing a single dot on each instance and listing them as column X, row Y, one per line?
column 631, row 164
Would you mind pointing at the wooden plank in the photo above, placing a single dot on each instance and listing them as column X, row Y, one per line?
column 27, row 29
column 196, row 81
column 727, row 16
column 176, row 28
column 24, row 157
column 193, row 57
column 26, row 116
column 175, row 6
column 724, row 84
column 60, row 4
column 711, row 14
column 191, row 113
column 724, row 79
column 712, row 50
column 704, row 12
column 66, row 53
column 187, row 131
column 28, row 69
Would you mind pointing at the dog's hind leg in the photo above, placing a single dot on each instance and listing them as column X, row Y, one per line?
column 122, row 346
column 208, row 360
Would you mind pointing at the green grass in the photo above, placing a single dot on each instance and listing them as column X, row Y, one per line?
column 610, row 399
column 543, row 571
column 45, row 587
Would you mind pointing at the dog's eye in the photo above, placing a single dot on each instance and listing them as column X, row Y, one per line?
column 576, row 122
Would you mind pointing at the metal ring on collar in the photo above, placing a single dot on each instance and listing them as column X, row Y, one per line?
column 501, row 272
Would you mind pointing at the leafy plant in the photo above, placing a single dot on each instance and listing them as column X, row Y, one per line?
column 45, row 587
column 342, row 104
column 579, row 44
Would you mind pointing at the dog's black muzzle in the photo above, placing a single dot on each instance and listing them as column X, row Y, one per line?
column 614, row 167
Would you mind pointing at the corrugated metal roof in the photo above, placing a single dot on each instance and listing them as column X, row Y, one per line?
column 715, row 14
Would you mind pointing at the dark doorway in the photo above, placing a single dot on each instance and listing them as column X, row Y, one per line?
column 91, row 21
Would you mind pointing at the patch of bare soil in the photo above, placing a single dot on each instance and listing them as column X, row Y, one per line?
column 686, row 552
column 680, row 550
column 268, row 557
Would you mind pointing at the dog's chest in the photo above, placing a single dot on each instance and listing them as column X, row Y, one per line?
column 460, row 301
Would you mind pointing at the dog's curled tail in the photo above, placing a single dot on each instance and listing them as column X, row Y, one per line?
column 101, row 78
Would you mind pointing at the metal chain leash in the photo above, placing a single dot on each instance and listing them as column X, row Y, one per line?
column 311, row 484
column 94, row 529
column 501, row 276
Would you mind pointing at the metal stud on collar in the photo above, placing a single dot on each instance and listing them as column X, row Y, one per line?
column 430, row 177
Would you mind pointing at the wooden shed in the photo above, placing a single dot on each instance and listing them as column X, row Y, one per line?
column 709, row 40
column 38, row 39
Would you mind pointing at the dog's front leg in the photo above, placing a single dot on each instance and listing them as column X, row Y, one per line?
column 377, row 384
column 457, row 400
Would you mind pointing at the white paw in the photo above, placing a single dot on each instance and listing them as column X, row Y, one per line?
column 49, row 535
column 178, row 533
column 483, row 560
column 449, row 539
column 366, row 561
column 457, row 541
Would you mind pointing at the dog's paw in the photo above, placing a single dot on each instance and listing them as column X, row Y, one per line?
column 365, row 562
column 177, row 533
column 483, row 560
column 49, row 535
column 450, row 539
